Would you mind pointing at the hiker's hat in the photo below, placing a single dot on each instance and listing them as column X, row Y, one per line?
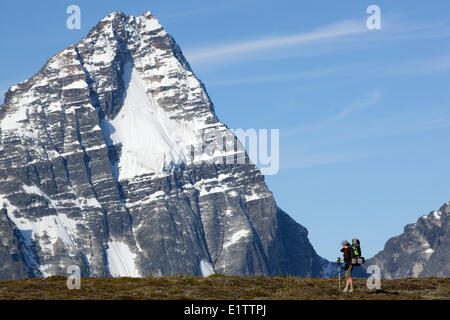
column 344, row 242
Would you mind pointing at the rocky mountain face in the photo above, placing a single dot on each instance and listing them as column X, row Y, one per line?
column 99, row 168
column 422, row 250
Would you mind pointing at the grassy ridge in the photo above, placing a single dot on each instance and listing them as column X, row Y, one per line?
column 221, row 287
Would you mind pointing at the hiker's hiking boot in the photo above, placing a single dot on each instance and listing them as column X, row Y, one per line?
column 345, row 290
column 351, row 290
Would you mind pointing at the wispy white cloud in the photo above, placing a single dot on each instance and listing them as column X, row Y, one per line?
column 359, row 104
column 419, row 66
column 326, row 149
column 388, row 128
column 322, row 159
column 402, row 28
column 411, row 68
column 319, row 41
column 336, row 30
column 188, row 13
column 372, row 99
column 319, row 73
column 204, row 10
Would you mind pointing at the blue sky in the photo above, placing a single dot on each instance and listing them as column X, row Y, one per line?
column 364, row 115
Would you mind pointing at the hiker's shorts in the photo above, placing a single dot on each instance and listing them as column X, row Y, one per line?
column 348, row 272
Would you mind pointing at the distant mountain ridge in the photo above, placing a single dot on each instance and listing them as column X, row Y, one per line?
column 422, row 250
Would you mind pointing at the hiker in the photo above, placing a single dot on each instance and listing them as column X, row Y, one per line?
column 348, row 266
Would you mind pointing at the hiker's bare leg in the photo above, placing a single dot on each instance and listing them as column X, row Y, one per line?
column 346, row 284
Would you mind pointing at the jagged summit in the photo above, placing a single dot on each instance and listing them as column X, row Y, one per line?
column 121, row 14
column 422, row 250
column 147, row 19
column 110, row 23
column 96, row 169
column 117, row 14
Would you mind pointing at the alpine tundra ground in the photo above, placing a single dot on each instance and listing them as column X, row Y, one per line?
column 220, row 287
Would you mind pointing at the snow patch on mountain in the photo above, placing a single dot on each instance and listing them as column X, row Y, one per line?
column 121, row 261
column 151, row 141
column 13, row 120
column 437, row 215
column 43, row 231
column 150, row 22
column 80, row 84
column 206, row 268
column 236, row 237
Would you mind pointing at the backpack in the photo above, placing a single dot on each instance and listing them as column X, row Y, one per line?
column 355, row 250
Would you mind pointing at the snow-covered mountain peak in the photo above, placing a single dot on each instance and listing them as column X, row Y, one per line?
column 153, row 124
column 144, row 99
column 147, row 19
column 96, row 169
